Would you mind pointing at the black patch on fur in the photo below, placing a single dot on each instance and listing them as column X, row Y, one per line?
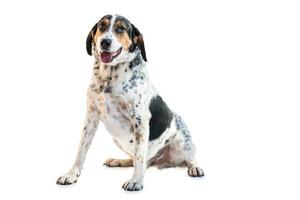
column 131, row 48
column 126, row 23
column 108, row 89
column 135, row 62
column 89, row 39
column 117, row 67
column 106, row 16
column 125, row 88
column 161, row 117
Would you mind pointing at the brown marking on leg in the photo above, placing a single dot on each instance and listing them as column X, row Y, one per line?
column 138, row 137
column 131, row 129
column 96, row 103
column 92, row 108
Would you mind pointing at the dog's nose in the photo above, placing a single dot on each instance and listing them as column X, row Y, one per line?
column 105, row 44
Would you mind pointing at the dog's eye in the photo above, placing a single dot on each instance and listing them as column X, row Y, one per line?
column 102, row 27
column 120, row 30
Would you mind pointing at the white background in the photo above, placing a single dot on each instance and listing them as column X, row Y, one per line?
column 230, row 68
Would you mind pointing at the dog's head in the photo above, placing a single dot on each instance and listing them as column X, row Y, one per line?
column 114, row 40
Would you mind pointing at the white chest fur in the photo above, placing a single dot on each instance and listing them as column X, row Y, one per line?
column 123, row 88
column 117, row 122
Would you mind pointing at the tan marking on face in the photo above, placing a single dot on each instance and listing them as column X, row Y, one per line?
column 99, row 33
column 122, row 38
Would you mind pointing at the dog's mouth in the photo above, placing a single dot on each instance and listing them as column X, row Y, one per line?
column 107, row 56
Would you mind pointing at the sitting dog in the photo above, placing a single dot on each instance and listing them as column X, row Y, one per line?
column 122, row 96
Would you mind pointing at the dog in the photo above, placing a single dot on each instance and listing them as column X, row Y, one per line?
column 122, row 96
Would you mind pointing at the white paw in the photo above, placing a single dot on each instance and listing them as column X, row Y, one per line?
column 67, row 179
column 132, row 185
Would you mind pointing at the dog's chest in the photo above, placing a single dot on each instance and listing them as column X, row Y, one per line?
column 117, row 122
column 125, row 90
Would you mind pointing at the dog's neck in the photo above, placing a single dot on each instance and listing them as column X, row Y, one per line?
column 107, row 78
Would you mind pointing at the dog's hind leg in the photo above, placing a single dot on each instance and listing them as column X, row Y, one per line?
column 182, row 153
column 183, row 150
column 118, row 162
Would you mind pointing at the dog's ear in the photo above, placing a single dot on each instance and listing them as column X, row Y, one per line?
column 137, row 40
column 89, row 40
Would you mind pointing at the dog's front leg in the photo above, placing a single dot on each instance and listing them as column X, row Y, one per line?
column 141, row 132
column 90, row 127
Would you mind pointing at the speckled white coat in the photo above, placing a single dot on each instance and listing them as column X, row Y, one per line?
column 120, row 96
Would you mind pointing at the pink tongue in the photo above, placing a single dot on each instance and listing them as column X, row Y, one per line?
column 106, row 57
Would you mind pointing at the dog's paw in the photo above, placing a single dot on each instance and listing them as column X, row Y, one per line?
column 110, row 162
column 118, row 162
column 67, row 179
column 132, row 185
column 195, row 172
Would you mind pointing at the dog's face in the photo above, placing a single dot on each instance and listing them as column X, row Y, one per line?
column 114, row 39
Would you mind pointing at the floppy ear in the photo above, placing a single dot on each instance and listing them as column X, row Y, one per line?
column 89, row 40
column 137, row 40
